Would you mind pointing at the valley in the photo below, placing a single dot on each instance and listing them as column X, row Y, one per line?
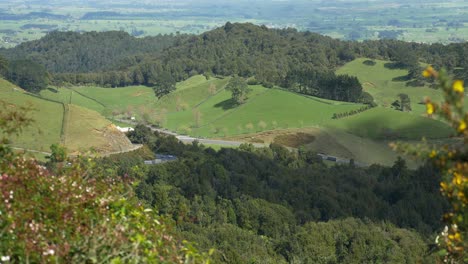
column 202, row 108
column 279, row 146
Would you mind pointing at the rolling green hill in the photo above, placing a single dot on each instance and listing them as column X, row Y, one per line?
column 134, row 100
column 203, row 108
column 120, row 98
column 69, row 96
column 78, row 128
column 384, row 122
column 387, row 124
column 382, row 84
column 201, row 111
column 48, row 116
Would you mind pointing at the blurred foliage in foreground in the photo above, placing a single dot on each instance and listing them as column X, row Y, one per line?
column 452, row 160
column 77, row 213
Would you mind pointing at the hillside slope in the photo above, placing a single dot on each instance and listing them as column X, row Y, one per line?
column 86, row 129
column 385, row 84
column 75, row 127
column 47, row 116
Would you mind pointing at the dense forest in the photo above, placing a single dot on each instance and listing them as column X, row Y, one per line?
column 271, row 205
column 299, row 61
column 73, row 52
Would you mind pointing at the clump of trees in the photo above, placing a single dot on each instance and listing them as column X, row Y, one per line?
column 239, row 89
column 404, row 104
column 277, row 202
column 28, row 75
column 369, row 62
column 89, row 52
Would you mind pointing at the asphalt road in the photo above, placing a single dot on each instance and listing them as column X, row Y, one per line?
column 188, row 139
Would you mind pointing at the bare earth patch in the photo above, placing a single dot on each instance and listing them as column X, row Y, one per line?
column 294, row 140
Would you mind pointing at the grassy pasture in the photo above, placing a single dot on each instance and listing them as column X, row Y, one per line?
column 83, row 128
column 69, row 96
column 203, row 108
column 378, row 81
column 134, row 100
column 383, row 123
column 275, row 109
column 331, row 141
column 213, row 114
column 47, row 117
column 191, row 93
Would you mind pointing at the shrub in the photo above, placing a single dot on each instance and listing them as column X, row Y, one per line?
column 78, row 215
column 268, row 84
column 369, row 62
column 252, row 81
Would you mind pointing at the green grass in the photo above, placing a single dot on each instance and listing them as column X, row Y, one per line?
column 133, row 99
column 339, row 143
column 377, row 80
column 83, row 129
column 265, row 109
column 196, row 110
column 383, row 123
column 47, row 117
column 68, row 96
column 191, row 93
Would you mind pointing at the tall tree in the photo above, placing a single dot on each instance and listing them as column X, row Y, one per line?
column 239, row 89
column 164, row 84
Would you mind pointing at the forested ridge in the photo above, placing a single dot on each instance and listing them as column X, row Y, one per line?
column 65, row 52
column 286, row 206
column 298, row 61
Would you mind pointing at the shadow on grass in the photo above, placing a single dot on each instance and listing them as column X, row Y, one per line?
column 227, row 104
column 383, row 127
column 52, row 90
column 394, row 66
column 403, row 78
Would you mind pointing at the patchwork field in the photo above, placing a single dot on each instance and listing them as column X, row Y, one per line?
column 439, row 21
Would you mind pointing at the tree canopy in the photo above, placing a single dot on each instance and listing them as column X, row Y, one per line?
column 303, row 62
column 28, row 75
column 239, row 89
